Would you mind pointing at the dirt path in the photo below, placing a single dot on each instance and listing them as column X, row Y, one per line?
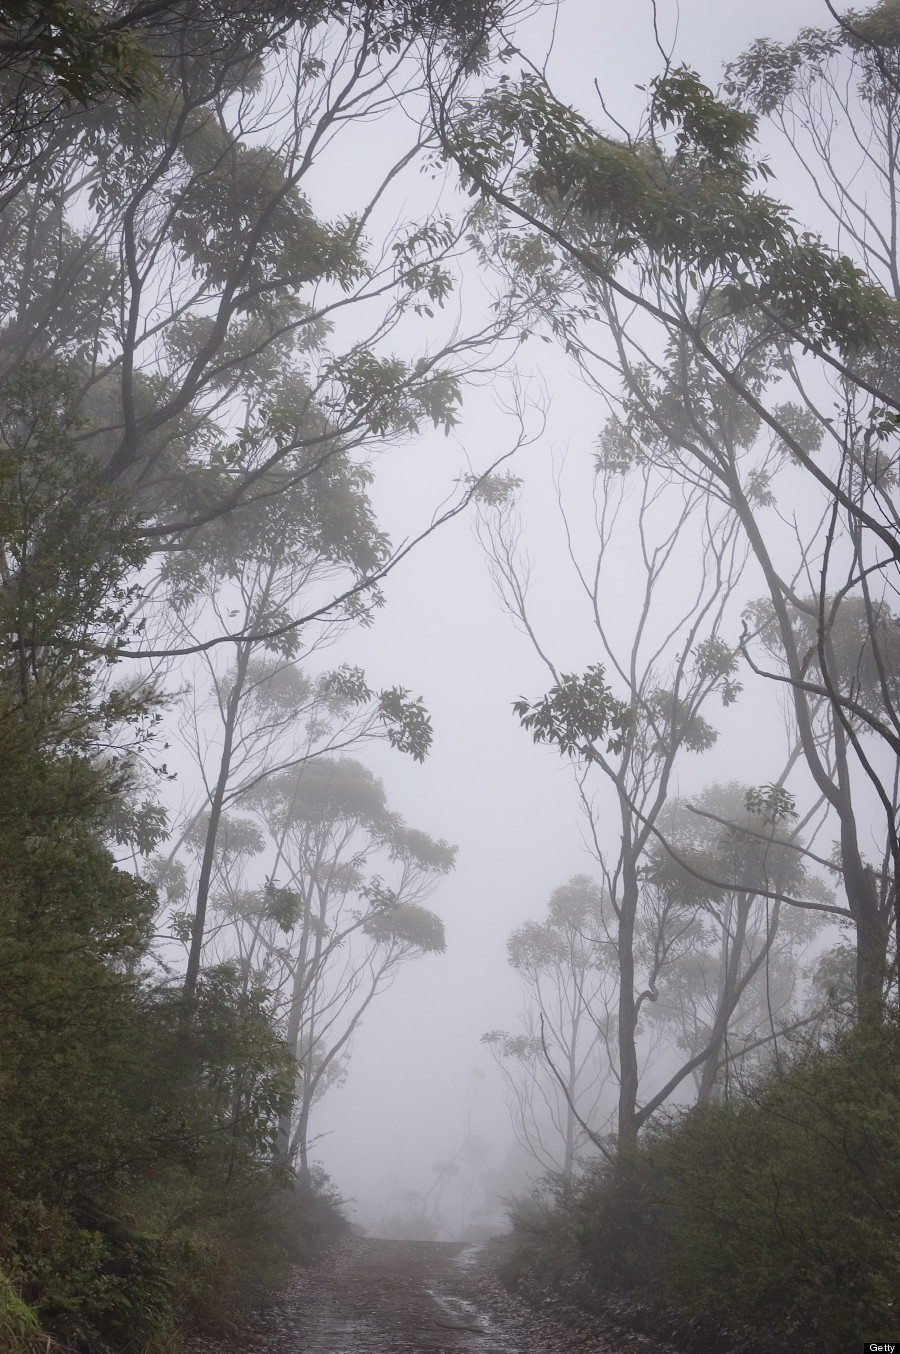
column 408, row 1297
column 394, row 1297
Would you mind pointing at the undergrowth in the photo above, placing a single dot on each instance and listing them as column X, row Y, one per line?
column 765, row 1224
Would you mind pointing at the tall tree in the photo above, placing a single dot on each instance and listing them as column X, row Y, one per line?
column 342, row 911
column 166, row 251
column 172, row 252
column 556, row 1066
column 668, row 224
column 107, row 1108
column 250, row 713
column 629, row 735
column 736, row 983
column 55, row 62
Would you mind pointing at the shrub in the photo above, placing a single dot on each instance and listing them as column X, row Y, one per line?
column 20, row 1331
column 772, row 1221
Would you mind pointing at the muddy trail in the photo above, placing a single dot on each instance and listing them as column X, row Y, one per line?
column 421, row 1297
column 396, row 1297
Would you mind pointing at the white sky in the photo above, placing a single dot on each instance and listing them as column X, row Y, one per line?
column 509, row 806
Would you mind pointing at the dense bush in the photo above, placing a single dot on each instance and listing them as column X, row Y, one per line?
column 162, row 1207
column 137, row 1173
column 769, row 1223
column 140, row 1192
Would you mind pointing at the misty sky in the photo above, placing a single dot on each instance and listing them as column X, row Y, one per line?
column 509, row 806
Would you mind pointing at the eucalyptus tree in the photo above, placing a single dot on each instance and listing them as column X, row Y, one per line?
column 556, row 1064
column 629, row 734
column 742, row 982
column 723, row 957
column 108, row 1107
column 744, row 348
column 825, row 628
column 57, row 62
column 76, row 53
column 169, row 353
column 339, row 911
column 50, row 60
column 236, row 359
column 258, row 708
column 170, row 252
column 163, row 260
column 701, row 907
column 834, row 96
column 280, row 718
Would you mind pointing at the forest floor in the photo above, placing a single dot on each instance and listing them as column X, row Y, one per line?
column 423, row 1297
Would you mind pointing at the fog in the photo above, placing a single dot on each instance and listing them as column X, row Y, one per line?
column 450, row 678
column 411, row 396
column 407, row 1103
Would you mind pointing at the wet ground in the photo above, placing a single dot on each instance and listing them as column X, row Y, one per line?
column 410, row 1297
column 396, row 1297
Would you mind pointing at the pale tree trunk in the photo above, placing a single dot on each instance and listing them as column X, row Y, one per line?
column 217, row 803
column 872, row 935
column 627, row 1126
column 726, row 998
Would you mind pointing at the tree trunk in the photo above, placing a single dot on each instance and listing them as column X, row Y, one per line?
column 628, row 1062
column 726, row 999
column 198, row 929
column 862, row 895
column 569, row 1149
